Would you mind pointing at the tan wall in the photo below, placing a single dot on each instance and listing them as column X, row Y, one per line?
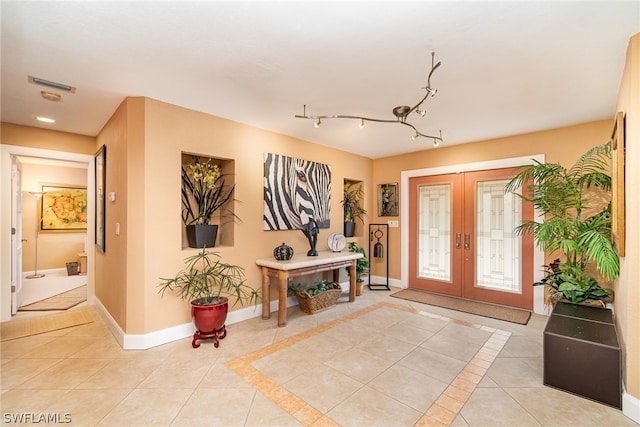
column 57, row 248
column 627, row 287
column 26, row 136
column 562, row 145
column 111, row 266
column 146, row 138
column 54, row 250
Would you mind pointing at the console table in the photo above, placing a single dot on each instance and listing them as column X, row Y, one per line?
column 300, row 265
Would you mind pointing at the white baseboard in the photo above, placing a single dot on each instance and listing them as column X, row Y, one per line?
column 164, row 336
column 631, row 407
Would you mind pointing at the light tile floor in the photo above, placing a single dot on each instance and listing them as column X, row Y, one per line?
column 379, row 361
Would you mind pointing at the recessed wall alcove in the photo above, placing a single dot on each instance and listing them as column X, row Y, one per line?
column 224, row 217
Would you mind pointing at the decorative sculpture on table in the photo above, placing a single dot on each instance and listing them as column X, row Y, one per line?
column 311, row 230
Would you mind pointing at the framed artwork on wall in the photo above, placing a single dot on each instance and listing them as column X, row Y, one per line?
column 388, row 199
column 100, row 180
column 617, row 184
column 63, row 208
column 295, row 191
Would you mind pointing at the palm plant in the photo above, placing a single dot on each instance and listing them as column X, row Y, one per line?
column 576, row 206
column 351, row 203
column 206, row 280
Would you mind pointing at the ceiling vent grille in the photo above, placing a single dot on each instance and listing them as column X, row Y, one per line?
column 54, row 85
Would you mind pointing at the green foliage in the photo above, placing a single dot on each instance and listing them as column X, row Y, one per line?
column 206, row 278
column 576, row 206
column 572, row 283
column 362, row 264
column 317, row 288
column 351, row 202
column 203, row 191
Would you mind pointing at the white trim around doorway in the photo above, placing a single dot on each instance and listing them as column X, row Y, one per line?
column 6, row 153
column 538, row 255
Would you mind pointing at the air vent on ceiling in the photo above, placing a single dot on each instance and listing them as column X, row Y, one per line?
column 55, row 85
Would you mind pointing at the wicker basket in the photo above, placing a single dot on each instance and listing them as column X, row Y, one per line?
column 320, row 302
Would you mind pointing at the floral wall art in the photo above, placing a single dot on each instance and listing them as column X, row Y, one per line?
column 295, row 191
column 63, row 208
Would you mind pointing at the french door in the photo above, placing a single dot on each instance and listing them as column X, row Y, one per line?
column 461, row 238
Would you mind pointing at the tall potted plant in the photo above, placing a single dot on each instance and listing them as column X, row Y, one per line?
column 362, row 266
column 351, row 205
column 208, row 283
column 203, row 193
column 576, row 205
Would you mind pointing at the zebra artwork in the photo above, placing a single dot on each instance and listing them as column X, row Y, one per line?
column 295, row 191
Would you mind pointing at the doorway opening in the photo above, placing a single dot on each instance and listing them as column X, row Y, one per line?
column 20, row 217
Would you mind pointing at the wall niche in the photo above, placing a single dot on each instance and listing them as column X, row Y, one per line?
column 353, row 208
column 207, row 171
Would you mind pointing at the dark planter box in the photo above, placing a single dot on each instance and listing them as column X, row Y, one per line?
column 349, row 228
column 202, row 235
column 582, row 353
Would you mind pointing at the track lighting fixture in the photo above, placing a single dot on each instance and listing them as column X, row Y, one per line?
column 400, row 112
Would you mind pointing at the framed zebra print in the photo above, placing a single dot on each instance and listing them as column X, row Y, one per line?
column 295, row 191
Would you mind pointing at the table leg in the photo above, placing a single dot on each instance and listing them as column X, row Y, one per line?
column 352, row 281
column 266, row 294
column 283, row 277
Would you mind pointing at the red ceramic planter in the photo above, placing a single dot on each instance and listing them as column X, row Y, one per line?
column 209, row 321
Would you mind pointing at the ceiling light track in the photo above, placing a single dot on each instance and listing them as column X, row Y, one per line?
column 400, row 112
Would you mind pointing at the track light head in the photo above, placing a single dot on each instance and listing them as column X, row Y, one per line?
column 317, row 124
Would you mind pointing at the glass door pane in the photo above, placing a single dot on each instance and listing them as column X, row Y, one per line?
column 434, row 232
column 498, row 249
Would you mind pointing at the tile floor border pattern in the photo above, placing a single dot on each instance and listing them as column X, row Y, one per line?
column 442, row 411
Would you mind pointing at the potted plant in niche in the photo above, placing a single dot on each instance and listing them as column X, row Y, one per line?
column 576, row 205
column 203, row 193
column 208, row 283
column 353, row 193
column 362, row 266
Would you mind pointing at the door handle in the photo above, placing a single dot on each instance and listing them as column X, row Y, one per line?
column 458, row 238
column 467, row 239
column 24, row 240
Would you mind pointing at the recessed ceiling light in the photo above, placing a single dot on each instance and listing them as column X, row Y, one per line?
column 45, row 119
column 50, row 96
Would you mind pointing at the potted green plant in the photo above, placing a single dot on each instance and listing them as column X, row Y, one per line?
column 362, row 266
column 351, row 205
column 576, row 206
column 203, row 193
column 208, row 283
column 321, row 295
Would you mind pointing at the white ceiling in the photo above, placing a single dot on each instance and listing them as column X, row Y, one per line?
column 507, row 67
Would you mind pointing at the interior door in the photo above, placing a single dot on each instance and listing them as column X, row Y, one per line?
column 462, row 242
column 16, row 234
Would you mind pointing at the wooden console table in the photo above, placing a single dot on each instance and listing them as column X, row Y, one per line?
column 299, row 265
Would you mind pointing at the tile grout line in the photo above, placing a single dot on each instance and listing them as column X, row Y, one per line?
column 448, row 405
column 441, row 413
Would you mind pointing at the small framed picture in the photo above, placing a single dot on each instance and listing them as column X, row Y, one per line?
column 388, row 199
